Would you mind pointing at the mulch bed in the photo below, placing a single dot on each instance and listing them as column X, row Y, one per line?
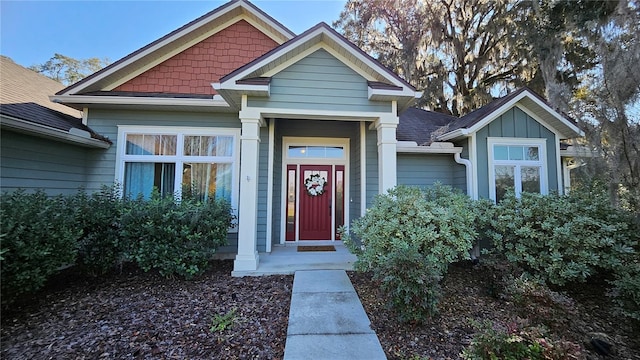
column 466, row 300
column 139, row 315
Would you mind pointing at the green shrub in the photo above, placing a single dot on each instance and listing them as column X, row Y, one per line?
column 626, row 290
column 563, row 238
column 494, row 342
column 408, row 238
column 38, row 238
column 413, row 282
column 100, row 248
column 516, row 340
column 175, row 237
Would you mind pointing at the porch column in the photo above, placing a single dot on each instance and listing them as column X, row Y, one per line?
column 387, row 168
column 247, row 258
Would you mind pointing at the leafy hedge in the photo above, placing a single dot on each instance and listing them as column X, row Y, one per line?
column 563, row 239
column 175, row 238
column 99, row 232
column 560, row 239
column 409, row 237
column 39, row 236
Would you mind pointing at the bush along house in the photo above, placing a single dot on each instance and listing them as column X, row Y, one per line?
column 298, row 132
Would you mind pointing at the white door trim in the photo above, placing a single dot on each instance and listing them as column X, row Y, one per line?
column 344, row 161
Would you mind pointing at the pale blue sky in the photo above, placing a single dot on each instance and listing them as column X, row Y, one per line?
column 32, row 31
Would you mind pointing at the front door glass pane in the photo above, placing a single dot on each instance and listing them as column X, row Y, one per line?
column 291, row 204
column 320, row 152
column 339, row 200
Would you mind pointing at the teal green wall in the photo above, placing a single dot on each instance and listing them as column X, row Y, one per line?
column 319, row 82
column 424, row 170
column 372, row 165
column 514, row 123
column 102, row 165
column 460, row 171
column 33, row 163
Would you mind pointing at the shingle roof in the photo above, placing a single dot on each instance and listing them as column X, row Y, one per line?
column 24, row 94
column 419, row 125
column 476, row 116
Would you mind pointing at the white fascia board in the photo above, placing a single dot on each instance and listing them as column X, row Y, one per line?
column 182, row 33
column 434, row 148
column 388, row 94
column 367, row 61
column 557, row 115
column 77, row 137
column 453, row 134
column 277, row 54
column 315, row 114
column 258, row 90
column 132, row 100
column 318, row 34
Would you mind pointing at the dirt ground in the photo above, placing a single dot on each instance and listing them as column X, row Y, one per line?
column 137, row 315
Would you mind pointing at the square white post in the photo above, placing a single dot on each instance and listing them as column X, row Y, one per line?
column 387, row 157
column 247, row 258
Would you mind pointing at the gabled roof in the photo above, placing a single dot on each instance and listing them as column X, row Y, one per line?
column 383, row 84
column 177, row 41
column 421, row 126
column 25, row 106
column 526, row 99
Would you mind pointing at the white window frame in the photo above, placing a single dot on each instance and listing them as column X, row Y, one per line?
column 179, row 159
column 541, row 143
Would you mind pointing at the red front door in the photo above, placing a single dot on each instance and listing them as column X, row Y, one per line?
column 315, row 202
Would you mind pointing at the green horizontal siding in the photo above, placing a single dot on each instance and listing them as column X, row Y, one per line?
column 424, row 170
column 372, row 166
column 319, row 82
column 33, row 163
column 102, row 164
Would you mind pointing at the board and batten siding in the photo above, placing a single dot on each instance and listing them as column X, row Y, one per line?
column 514, row 123
column 33, row 163
column 424, row 170
column 319, row 82
column 102, row 164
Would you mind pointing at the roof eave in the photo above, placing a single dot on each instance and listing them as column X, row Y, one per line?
column 80, row 137
column 455, row 134
column 174, row 36
column 70, row 100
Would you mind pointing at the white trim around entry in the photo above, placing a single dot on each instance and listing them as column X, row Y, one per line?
column 344, row 161
column 270, row 184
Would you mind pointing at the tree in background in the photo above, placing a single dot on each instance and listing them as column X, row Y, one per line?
column 457, row 51
column 583, row 55
column 67, row 70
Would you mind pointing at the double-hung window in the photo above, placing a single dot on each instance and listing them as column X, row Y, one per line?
column 517, row 164
column 181, row 162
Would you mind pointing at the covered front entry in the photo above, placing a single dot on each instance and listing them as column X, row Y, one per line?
column 315, row 181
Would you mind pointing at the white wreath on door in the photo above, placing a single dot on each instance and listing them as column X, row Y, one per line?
column 315, row 185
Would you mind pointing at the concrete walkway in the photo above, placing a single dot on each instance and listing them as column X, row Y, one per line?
column 327, row 320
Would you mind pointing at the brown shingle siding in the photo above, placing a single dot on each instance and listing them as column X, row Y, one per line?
column 193, row 70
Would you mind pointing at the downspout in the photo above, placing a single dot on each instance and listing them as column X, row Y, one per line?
column 467, row 166
column 475, row 251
